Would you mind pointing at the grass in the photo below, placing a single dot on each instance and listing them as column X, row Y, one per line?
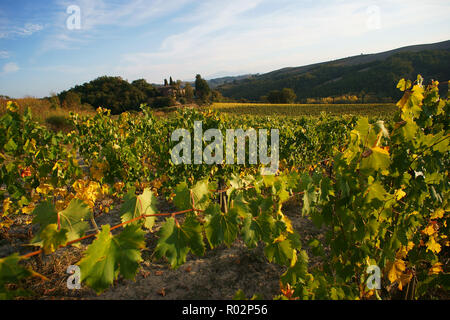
column 55, row 118
column 300, row 110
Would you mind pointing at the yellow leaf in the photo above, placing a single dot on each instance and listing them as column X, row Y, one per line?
column 433, row 246
column 28, row 209
column 44, row 188
column 403, row 251
column 6, row 204
column 429, row 230
column 287, row 222
column 12, row 106
column 395, row 270
column 436, row 268
column 384, row 150
column 281, row 238
column 439, row 213
column 396, row 273
column 399, row 194
column 118, row 186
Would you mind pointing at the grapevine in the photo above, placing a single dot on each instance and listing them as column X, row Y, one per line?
column 379, row 189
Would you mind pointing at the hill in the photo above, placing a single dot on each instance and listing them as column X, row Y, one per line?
column 214, row 83
column 376, row 74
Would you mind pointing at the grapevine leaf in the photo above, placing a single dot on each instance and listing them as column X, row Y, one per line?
column 45, row 214
column 176, row 241
column 404, row 85
column 72, row 219
column 52, row 238
column 220, row 227
column 11, row 272
column 309, row 197
column 375, row 192
column 241, row 206
column 128, row 208
column 110, row 255
column 298, row 269
column 280, row 252
column 144, row 204
column 147, row 206
column 200, row 194
column 377, row 160
column 251, row 232
column 182, row 199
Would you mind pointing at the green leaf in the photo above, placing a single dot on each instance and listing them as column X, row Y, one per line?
column 200, row 193
column 251, row 232
column 136, row 206
column 11, row 146
column 44, row 214
column 240, row 205
column 309, row 197
column 108, row 256
column 377, row 160
column 280, row 252
column 11, row 272
column 182, row 199
column 298, row 270
column 375, row 191
column 409, row 129
column 176, row 241
column 220, row 227
column 52, row 238
column 73, row 219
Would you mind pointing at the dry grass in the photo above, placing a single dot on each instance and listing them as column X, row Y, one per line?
column 56, row 118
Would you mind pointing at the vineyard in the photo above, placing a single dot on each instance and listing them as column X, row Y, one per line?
column 376, row 189
column 301, row 110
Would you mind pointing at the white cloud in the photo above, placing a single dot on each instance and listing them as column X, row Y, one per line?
column 10, row 67
column 28, row 29
column 96, row 14
column 229, row 35
column 4, row 54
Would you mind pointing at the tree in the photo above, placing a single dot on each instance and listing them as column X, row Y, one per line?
column 216, row 96
column 362, row 95
column 163, row 102
column 165, row 83
column 71, row 100
column 284, row 96
column 288, row 95
column 111, row 92
column 54, row 101
column 189, row 91
column 171, row 81
column 202, row 90
column 145, row 87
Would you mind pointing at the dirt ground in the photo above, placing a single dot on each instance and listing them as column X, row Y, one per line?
column 218, row 275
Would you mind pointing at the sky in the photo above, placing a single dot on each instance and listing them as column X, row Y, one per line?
column 52, row 45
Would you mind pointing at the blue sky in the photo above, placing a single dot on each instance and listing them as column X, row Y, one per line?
column 155, row 39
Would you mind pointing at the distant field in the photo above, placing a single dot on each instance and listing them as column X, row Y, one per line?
column 298, row 110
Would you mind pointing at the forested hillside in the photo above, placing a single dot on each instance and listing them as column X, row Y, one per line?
column 365, row 75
